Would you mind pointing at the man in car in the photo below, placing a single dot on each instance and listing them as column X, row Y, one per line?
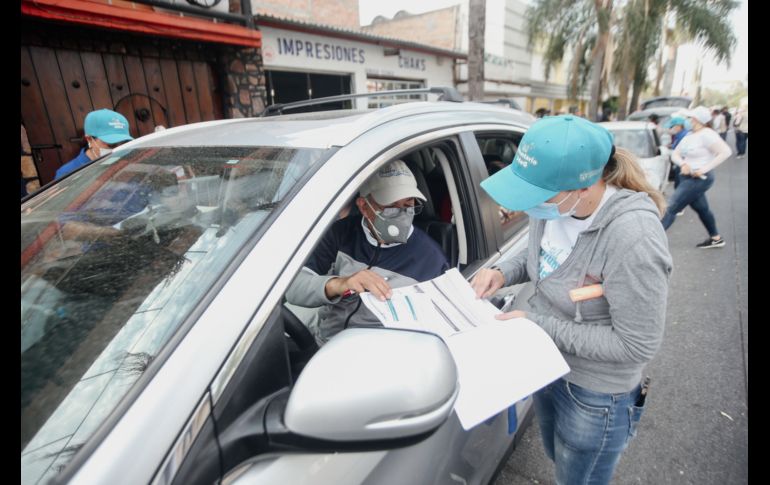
column 373, row 251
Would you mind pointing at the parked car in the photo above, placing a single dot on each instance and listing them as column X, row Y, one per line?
column 640, row 138
column 155, row 343
column 664, row 113
column 681, row 102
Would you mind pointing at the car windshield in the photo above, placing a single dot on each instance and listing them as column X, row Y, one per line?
column 638, row 142
column 113, row 259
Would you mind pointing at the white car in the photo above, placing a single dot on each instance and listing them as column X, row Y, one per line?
column 155, row 343
column 641, row 139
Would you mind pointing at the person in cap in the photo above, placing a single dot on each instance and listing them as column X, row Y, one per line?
column 741, row 124
column 104, row 130
column 697, row 155
column 599, row 262
column 678, row 127
column 373, row 251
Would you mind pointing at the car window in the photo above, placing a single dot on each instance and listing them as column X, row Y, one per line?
column 638, row 142
column 498, row 151
column 113, row 259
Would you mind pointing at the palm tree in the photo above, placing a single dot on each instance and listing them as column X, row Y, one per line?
column 638, row 35
column 581, row 26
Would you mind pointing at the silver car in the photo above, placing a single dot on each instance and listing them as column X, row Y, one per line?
column 155, row 343
column 641, row 138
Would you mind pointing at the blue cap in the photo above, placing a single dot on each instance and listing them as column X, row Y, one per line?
column 557, row 153
column 676, row 120
column 107, row 125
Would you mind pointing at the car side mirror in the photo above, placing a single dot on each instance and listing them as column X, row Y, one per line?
column 367, row 389
column 370, row 386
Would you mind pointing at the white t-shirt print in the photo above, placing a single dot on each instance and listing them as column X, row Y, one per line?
column 560, row 236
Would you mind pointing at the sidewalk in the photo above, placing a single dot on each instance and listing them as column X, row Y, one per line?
column 695, row 428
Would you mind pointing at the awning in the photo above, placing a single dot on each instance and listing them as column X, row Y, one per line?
column 131, row 17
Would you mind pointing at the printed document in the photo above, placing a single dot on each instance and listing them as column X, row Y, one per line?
column 499, row 362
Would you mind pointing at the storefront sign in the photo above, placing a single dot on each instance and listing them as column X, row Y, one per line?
column 320, row 50
column 406, row 62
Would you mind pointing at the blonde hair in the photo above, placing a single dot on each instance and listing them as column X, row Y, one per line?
column 624, row 171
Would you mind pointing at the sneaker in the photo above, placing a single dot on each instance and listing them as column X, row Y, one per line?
column 711, row 243
column 740, row 156
column 680, row 213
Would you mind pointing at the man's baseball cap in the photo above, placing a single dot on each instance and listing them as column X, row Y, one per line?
column 557, row 153
column 701, row 113
column 107, row 125
column 676, row 120
column 391, row 183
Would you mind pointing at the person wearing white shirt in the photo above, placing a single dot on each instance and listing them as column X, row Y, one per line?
column 697, row 155
column 719, row 123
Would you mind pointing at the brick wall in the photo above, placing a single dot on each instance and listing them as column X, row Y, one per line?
column 342, row 13
column 436, row 28
column 244, row 82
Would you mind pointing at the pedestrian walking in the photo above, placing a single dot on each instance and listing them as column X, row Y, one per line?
column 718, row 123
column 697, row 155
column 741, row 125
column 678, row 127
column 599, row 260
column 728, row 117
column 104, row 130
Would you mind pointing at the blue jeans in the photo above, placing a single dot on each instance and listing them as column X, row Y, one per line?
column 740, row 142
column 692, row 191
column 584, row 432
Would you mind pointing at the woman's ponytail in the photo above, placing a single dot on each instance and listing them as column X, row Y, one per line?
column 624, row 171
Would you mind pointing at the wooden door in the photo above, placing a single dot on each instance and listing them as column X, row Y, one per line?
column 60, row 86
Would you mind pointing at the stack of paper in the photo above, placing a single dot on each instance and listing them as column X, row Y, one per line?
column 499, row 362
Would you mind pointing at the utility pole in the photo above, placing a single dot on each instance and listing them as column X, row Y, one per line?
column 476, row 24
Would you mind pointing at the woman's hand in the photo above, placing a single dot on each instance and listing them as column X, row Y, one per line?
column 487, row 282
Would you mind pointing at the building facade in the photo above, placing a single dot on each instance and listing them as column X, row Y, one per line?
column 156, row 66
column 309, row 60
column 511, row 69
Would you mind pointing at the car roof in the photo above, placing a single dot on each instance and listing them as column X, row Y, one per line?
column 627, row 125
column 660, row 110
column 659, row 99
column 321, row 129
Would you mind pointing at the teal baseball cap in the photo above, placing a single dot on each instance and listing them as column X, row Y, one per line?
column 676, row 120
column 107, row 125
column 557, row 153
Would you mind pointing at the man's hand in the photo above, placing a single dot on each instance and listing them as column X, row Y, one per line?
column 685, row 169
column 487, row 282
column 510, row 315
column 364, row 280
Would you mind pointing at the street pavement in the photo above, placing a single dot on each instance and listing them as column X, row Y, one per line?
column 695, row 427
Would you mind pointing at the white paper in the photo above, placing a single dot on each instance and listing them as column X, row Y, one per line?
column 501, row 363
column 498, row 362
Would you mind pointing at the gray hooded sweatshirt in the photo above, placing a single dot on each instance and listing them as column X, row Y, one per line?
column 605, row 340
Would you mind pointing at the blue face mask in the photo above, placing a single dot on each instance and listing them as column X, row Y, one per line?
column 550, row 210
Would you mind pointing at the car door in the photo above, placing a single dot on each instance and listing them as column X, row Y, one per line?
column 448, row 455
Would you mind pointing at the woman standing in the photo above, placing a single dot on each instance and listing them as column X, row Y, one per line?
column 599, row 260
column 697, row 155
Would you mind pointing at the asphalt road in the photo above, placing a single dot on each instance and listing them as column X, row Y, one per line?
column 695, row 428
